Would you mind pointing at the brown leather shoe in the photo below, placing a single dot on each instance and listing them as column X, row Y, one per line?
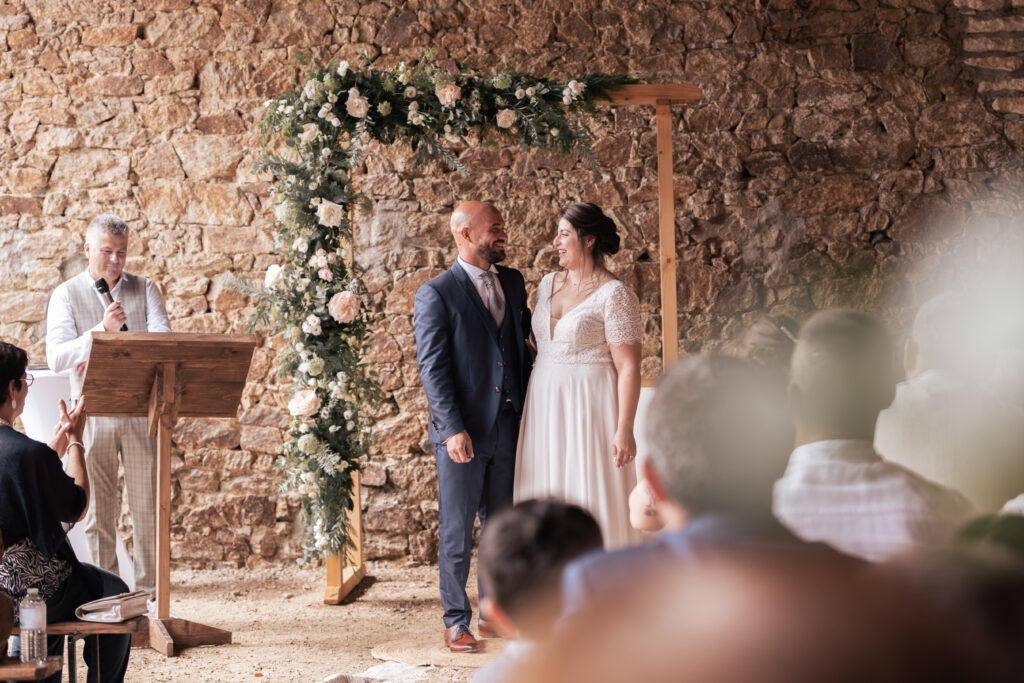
column 485, row 630
column 459, row 638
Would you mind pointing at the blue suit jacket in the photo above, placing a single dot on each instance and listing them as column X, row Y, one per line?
column 458, row 351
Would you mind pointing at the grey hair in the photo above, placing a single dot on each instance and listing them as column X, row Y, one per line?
column 107, row 224
column 718, row 434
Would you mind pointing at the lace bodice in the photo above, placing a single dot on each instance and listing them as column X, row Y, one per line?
column 611, row 315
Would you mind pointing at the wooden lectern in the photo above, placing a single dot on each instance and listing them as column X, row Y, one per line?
column 167, row 376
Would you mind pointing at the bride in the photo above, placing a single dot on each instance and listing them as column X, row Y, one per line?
column 576, row 441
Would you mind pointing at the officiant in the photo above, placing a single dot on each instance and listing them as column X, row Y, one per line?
column 105, row 298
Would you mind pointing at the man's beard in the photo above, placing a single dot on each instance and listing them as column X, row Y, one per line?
column 490, row 254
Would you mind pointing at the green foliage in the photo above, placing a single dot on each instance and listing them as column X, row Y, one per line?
column 316, row 297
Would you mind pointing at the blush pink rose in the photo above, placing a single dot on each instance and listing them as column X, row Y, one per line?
column 304, row 403
column 344, row 307
column 449, row 94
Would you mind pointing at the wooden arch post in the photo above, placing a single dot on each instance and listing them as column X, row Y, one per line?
column 663, row 96
column 345, row 571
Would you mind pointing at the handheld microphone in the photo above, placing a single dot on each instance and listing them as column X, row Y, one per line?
column 102, row 288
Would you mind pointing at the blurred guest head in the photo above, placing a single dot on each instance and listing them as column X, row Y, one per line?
column 769, row 342
column 772, row 616
column 941, row 337
column 718, row 436
column 842, row 375
column 523, row 550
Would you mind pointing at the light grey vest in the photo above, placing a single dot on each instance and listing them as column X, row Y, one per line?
column 87, row 309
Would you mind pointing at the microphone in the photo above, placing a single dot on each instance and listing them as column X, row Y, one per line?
column 102, row 288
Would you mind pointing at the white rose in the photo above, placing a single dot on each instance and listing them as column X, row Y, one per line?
column 325, row 109
column 343, row 68
column 520, row 93
column 356, row 105
column 410, row 91
column 309, row 133
column 304, row 403
column 505, row 118
column 576, row 87
column 312, row 89
column 449, row 95
column 566, row 97
column 273, row 276
column 531, row 91
column 330, row 214
column 312, row 326
column 344, row 307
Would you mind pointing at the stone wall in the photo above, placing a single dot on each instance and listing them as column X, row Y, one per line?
column 839, row 147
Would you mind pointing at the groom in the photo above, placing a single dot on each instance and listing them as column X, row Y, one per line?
column 471, row 324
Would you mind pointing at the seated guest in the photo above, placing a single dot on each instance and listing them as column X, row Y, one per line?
column 768, row 342
column 522, row 552
column 942, row 424
column 767, row 615
column 718, row 436
column 836, row 488
column 36, row 499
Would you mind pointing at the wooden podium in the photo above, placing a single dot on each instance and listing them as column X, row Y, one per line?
column 164, row 377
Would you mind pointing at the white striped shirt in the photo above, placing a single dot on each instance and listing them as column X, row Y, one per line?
column 840, row 492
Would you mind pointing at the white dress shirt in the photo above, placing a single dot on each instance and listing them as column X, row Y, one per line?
column 955, row 434
column 477, row 276
column 842, row 493
column 66, row 348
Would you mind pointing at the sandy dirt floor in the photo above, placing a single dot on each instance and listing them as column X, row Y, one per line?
column 282, row 631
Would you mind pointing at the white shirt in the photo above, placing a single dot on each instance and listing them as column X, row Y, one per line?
column 477, row 276
column 842, row 493
column 957, row 435
column 1014, row 507
column 65, row 348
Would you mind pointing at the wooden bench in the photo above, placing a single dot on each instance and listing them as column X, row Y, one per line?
column 12, row 669
column 79, row 630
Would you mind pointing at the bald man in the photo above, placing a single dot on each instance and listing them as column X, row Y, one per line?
column 471, row 325
column 837, row 489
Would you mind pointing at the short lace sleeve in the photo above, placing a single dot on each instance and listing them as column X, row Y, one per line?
column 622, row 316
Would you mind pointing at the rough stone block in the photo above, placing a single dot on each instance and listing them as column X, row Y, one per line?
column 111, row 85
column 165, row 113
column 208, row 157
column 1010, row 105
column 953, row 124
column 211, row 432
column 200, row 480
column 260, row 439
column 158, row 161
column 110, row 35
column 26, row 181
column 402, row 295
column 1014, row 44
column 163, row 201
column 221, row 205
column 26, row 307
column 220, row 124
column 24, row 39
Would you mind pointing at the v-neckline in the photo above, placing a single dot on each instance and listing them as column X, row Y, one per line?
column 565, row 314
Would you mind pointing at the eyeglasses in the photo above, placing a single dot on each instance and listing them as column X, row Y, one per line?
column 29, row 379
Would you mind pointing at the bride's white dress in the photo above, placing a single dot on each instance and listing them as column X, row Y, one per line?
column 570, row 415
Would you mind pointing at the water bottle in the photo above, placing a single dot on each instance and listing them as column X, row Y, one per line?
column 32, row 618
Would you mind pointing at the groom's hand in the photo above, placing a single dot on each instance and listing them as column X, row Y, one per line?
column 460, row 447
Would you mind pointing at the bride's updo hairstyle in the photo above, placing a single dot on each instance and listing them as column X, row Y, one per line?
column 589, row 221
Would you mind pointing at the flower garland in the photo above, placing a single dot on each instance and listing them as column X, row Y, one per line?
column 317, row 296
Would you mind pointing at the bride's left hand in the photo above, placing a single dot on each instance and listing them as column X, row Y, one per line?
column 623, row 448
